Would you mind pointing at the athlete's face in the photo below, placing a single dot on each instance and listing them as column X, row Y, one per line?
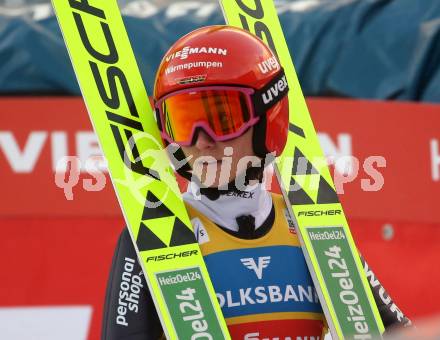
column 218, row 163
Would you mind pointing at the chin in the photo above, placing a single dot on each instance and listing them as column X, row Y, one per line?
column 217, row 183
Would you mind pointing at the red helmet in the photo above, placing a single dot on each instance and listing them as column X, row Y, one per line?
column 229, row 56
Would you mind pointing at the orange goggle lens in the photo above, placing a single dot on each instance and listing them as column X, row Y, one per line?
column 221, row 113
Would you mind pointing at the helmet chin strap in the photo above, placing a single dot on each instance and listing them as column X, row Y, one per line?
column 242, row 211
column 252, row 174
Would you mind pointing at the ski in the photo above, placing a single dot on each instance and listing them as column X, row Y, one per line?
column 310, row 195
column 141, row 174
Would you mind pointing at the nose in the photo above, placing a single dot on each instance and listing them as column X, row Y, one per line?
column 203, row 141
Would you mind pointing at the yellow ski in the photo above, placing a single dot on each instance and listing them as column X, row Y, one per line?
column 309, row 191
column 144, row 182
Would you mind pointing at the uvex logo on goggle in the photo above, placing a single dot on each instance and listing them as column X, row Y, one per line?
column 187, row 50
column 274, row 91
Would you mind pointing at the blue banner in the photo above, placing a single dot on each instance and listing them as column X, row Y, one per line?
column 260, row 280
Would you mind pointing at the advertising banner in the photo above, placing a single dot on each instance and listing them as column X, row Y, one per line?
column 56, row 198
column 386, row 163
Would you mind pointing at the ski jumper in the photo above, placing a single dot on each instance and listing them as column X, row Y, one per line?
column 257, row 268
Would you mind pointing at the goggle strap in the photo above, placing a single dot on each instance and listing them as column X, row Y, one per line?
column 266, row 97
column 158, row 119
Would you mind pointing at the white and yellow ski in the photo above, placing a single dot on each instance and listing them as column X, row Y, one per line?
column 144, row 182
column 309, row 191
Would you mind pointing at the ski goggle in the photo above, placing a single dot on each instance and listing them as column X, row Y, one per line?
column 223, row 112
